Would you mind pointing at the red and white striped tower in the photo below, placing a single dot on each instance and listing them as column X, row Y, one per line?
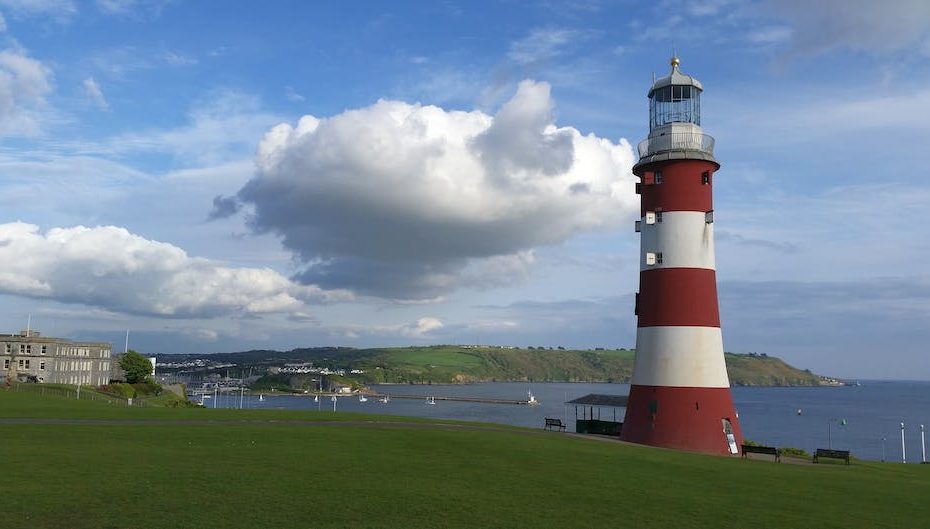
column 680, row 394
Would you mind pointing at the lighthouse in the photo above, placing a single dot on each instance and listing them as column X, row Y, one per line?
column 680, row 392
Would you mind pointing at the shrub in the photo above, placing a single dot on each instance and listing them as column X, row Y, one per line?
column 791, row 451
column 120, row 389
column 148, row 387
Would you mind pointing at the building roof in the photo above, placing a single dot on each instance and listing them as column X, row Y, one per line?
column 594, row 399
column 675, row 77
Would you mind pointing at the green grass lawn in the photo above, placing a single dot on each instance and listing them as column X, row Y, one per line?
column 424, row 357
column 218, row 471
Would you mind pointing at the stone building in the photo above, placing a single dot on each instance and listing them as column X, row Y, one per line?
column 31, row 357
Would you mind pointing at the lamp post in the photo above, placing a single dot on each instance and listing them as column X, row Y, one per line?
column 883, row 449
column 923, row 445
column 903, row 449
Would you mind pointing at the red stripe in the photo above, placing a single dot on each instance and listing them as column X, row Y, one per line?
column 678, row 297
column 681, row 188
column 682, row 418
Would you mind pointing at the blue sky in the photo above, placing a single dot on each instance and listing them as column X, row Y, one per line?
column 221, row 176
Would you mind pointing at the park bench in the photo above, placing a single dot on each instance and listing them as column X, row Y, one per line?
column 835, row 454
column 770, row 450
column 554, row 423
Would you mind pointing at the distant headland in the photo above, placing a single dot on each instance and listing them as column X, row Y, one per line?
column 457, row 364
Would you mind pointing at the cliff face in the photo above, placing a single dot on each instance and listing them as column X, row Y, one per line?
column 764, row 370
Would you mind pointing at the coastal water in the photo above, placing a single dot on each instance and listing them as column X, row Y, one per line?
column 852, row 418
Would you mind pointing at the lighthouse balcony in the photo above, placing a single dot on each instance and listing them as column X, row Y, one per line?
column 677, row 141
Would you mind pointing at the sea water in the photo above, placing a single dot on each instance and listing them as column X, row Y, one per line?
column 855, row 418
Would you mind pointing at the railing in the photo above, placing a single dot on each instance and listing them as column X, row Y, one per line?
column 676, row 141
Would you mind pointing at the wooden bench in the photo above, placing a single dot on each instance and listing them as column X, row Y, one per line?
column 834, row 454
column 754, row 449
column 554, row 423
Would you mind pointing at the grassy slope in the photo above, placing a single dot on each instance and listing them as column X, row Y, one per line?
column 231, row 474
column 456, row 364
column 444, row 363
column 449, row 363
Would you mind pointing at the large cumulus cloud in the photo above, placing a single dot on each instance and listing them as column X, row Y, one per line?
column 109, row 267
column 409, row 201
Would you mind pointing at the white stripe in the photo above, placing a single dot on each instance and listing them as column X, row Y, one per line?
column 681, row 357
column 683, row 238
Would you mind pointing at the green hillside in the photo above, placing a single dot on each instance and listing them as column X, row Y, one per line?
column 444, row 363
column 461, row 364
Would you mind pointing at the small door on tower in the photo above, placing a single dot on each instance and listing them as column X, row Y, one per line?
column 731, row 439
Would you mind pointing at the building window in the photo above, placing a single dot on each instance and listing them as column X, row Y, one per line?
column 20, row 363
column 44, row 349
column 658, row 216
column 705, row 178
column 29, row 349
column 27, row 363
column 22, row 348
column 42, row 366
column 6, row 363
column 658, row 177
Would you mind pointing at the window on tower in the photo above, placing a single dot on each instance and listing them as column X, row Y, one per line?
column 658, row 177
column 674, row 104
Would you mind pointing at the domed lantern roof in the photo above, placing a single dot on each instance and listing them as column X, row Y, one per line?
column 675, row 98
column 675, row 77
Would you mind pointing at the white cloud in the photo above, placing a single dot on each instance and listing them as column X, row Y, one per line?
column 540, row 44
column 889, row 117
column 397, row 200
column 132, row 8
column 24, row 84
column 770, row 35
column 174, row 58
column 861, row 25
column 94, row 93
column 116, row 7
column 59, row 10
column 221, row 129
column 706, row 7
column 421, row 327
column 2, row 23
column 109, row 268
column 291, row 95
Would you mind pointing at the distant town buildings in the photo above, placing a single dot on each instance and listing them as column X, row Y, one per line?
column 31, row 357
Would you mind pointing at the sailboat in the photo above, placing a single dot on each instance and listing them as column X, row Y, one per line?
column 261, row 398
column 531, row 399
column 316, row 398
column 384, row 400
column 431, row 400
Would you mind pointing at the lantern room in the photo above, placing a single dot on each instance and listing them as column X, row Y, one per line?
column 675, row 98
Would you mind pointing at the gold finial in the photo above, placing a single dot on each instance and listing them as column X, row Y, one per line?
column 675, row 61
